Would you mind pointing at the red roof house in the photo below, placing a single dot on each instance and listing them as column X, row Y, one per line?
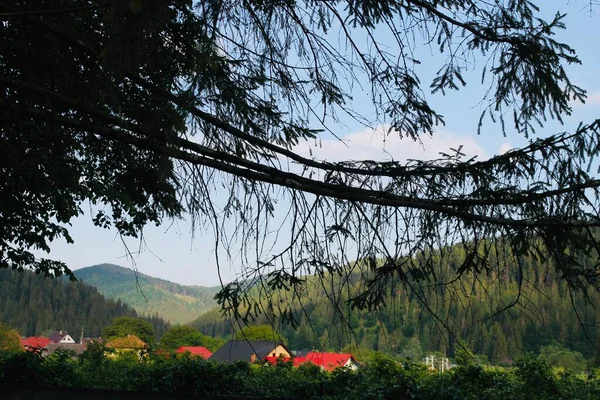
column 296, row 360
column 199, row 351
column 331, row 361
column 35, row 343
column 327, row 361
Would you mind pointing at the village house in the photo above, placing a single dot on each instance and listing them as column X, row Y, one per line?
column 58, row 340
column 296, row 361
column 197, row 351
column 326, row 361
column 75, row 348
column 61, row 340
column 331, row 361
column 88, row 340
column 249, row 351
column 36, row 344
column 61, row 337
column 124, row 345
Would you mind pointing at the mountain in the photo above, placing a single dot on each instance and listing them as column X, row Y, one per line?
column 175, row 303
column 35, row 305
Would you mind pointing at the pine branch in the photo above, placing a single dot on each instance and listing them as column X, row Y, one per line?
column 262, row 173
column 19, row 14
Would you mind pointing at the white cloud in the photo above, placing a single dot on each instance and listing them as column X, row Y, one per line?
column 504, row 147
column 376, row 145
column 592, row 100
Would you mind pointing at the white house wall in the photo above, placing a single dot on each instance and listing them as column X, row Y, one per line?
column 67, row 339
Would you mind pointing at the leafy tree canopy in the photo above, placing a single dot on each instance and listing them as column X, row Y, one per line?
column 183, row 335
column 163, row 108
column 123, row 326
column 258, row 332
column 10, row 340
column 559, row 356
column 464, row 357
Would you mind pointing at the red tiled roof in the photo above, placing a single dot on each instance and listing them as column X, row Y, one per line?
column 328, row 361
column 35, row 342
column 195, row 350
column 296, row 360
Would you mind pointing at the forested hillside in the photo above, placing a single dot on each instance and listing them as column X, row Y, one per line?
column 497, row 313
column 36, row 305
column 171, row 301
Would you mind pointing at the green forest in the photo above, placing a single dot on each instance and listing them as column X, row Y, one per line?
column 497, row 314
column 37, row 305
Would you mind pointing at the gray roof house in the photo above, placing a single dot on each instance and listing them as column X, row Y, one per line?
column 249, row 350
column 61, row 337
column 76, row 348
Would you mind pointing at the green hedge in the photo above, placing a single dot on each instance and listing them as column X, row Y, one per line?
column 380, row 378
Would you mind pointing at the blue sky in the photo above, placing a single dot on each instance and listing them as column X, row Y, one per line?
column 171, row 251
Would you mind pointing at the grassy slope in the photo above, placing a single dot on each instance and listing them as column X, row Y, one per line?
column 173, row 302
